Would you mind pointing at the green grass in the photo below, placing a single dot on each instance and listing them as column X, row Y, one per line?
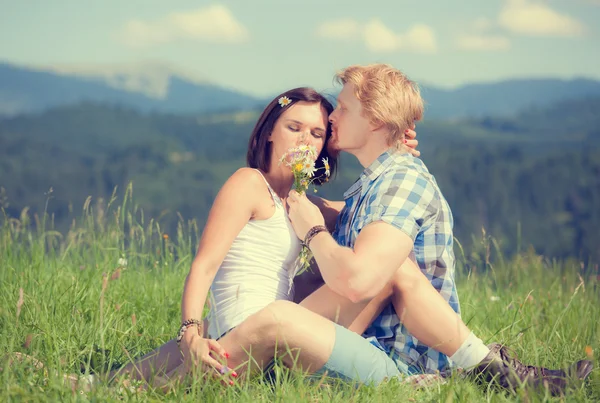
column 82, row 308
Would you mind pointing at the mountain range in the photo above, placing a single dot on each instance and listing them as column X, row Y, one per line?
column 533, row 177
column 158, row 88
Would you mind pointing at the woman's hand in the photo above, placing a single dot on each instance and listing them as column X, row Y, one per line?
column 411, row 141
column 200, row 352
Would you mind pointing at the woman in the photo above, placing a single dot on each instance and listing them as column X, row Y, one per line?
column 248, row 250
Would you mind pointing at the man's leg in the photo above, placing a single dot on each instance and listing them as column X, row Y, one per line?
column 432, row 321
column 420, row 308
column 429, row 318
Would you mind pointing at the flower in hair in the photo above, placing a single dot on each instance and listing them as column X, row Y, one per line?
column 284, row 101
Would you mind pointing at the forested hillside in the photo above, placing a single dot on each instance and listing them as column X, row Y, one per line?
column 530, row 179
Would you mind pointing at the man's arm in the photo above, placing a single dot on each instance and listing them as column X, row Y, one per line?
column 398, row 206
column 309, row 281
column 361, row 273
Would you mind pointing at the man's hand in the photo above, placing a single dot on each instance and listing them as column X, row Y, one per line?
column 303, row 214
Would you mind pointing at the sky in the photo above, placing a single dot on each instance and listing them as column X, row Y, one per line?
column 265, row 46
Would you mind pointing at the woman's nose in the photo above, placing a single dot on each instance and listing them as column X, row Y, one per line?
column 303, row 137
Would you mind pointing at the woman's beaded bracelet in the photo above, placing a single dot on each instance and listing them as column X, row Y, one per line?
column 312, row 232
column 184, row 326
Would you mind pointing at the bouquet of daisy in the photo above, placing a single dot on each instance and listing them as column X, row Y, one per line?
column 301, row 161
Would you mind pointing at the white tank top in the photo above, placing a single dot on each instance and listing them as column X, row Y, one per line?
column 258, row 269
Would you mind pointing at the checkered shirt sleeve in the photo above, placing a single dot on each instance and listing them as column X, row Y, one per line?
column 401, row 198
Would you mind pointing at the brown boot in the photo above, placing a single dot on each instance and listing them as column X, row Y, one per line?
column 508, row 372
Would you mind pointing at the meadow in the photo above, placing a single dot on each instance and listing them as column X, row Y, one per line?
column 109, row 289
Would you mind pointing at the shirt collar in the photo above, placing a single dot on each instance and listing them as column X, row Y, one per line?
column 373, row 171
column 378, row 166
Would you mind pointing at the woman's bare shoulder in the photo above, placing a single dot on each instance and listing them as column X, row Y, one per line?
column 245, row 179
column 245, row 189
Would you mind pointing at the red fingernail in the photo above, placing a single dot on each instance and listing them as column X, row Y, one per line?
column 405, row 141
column 406, row 131
column 226, row 355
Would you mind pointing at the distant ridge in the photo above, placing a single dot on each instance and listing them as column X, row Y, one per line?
column 157, row 87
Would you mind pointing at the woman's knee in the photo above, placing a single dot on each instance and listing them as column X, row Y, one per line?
column 279, row 313
column 266, row 324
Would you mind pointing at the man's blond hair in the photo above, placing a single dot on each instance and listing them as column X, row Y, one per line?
column 387, row 97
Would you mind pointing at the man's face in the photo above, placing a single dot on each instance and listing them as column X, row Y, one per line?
column 350, row 129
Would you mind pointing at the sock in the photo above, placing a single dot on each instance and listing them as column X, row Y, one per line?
column 470, row 353
column 88, row 381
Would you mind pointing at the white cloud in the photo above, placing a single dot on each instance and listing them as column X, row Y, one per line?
column 483, row 42
column 378, row 37
column 535, row 18
column 339, row 29
column 420, row 38
column 210, row 24
column 482, row 24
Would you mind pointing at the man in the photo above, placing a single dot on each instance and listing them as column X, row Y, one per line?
column 395, row 208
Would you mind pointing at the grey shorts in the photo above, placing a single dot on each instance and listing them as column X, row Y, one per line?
column 356, row 360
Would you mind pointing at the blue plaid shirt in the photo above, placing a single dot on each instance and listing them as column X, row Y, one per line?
column 398, row 189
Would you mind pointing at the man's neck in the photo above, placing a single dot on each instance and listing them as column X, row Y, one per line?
column 370, row 152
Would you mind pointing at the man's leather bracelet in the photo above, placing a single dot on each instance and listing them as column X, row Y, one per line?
column 312, row 232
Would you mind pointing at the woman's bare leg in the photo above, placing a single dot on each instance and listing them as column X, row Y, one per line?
column 282, row 329
column 160, row 361
column 301, row 338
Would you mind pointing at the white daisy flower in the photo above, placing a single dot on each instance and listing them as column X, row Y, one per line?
column 284, row 101
column 326, row 165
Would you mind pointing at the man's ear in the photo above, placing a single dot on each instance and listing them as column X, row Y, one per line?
column 376, row 126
